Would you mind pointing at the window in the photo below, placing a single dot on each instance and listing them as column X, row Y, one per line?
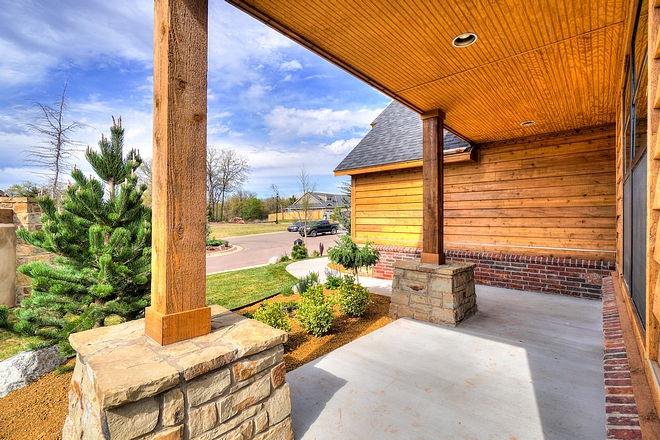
column 634, row 140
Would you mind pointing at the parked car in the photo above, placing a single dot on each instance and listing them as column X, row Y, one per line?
column 294, row 227
column 316, row 227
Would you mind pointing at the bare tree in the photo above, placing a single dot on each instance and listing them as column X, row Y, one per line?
column 212, row 177
column 229, row 172
column 54, row 153
column 276, row 191
column 144, row 174
column 342, row 212
column 306, row 187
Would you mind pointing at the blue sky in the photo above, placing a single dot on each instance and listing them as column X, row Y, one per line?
column 268, row 98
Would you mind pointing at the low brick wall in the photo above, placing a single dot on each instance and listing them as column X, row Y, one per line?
column 229, row 384
column 620, row 407
column 582, row 278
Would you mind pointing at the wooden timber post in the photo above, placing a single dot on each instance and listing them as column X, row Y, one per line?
column 433, row 192
column 178, row 289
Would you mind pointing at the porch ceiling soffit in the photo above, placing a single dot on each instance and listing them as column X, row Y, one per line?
column 556, row 62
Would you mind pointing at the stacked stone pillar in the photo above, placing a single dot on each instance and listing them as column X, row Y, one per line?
column 440, row 294
column 7, row 258
column 26, row 215
column 229, row 384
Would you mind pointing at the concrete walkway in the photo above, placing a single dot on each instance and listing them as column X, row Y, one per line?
column 527, row 366
column 319, row 265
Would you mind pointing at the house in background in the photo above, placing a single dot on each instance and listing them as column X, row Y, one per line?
column 534, row 213
column 319, row 206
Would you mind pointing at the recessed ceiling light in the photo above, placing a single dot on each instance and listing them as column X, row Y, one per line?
column 527, row 123
column 464, row 40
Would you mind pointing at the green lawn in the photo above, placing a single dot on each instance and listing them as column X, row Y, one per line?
column 238, row 288
column 231, row 290
column 12, row 343
column 223, row 230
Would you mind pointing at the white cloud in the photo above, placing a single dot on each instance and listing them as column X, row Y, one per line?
column 290, row 66
column 38, row 36
column 284, row 121
column 342, row 146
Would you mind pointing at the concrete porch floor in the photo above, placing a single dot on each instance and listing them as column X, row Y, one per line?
column 527, row 366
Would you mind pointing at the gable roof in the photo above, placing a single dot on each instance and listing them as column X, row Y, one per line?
column 318, row 201
column 396, row 136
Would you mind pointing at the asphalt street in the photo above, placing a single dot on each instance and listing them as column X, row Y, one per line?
column 258, row 249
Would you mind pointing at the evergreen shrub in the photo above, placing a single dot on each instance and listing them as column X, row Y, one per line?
column 353, row 298
column 274, row 315
column 315, row 312
column 101, row 235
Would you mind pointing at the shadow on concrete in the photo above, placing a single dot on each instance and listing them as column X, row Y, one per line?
column 308, row 406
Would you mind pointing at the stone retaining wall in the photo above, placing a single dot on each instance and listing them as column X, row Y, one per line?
column 565, row 276
column 227, row 385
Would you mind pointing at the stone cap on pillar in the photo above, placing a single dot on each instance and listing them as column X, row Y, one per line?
column 129, row 366
column 449, row 268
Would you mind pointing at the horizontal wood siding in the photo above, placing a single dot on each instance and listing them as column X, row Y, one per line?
column 550, row 195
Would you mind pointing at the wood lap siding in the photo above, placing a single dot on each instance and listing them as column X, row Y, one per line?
column 551, row 195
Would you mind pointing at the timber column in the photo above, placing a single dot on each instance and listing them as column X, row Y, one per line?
column 433, row 193
column 433, row 290
column 178, row 289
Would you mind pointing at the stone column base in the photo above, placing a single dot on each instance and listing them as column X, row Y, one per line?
column 229, row 384
column 441, row 294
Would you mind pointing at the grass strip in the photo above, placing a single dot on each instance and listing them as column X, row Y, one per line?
column 239, row 288
column 224, row 230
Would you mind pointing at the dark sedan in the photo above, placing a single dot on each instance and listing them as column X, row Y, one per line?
column 294, row 227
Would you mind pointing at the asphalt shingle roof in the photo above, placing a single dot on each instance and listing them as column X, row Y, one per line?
column 396, row 137
column 319, row 201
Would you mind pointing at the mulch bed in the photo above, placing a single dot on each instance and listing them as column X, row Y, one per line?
column 38, row 410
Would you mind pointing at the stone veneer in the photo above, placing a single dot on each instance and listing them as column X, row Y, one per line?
column 439, row 294
column 564, row 276
column 27, row 215
column 229, row 384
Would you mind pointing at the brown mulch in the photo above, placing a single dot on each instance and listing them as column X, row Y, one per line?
column 37, row 412
column 303, row 347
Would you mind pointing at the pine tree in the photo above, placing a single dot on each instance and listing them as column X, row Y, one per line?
column 102, row 237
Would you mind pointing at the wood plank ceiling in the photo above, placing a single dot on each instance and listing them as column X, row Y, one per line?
column 556, row 62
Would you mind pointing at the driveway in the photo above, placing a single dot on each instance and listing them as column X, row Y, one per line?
column 258, row 249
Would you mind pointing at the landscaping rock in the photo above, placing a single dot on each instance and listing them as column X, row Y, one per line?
column 274, row 260
column 26, row 367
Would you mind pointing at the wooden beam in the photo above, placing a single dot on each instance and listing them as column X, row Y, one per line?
column 178, row 290
column 432, row 188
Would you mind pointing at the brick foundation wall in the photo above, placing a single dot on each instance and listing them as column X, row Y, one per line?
column 620, row 407
column 564, row 276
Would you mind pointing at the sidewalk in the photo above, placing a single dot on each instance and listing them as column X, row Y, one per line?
column 319, row 265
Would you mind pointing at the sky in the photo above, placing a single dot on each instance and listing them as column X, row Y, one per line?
column 269, row 99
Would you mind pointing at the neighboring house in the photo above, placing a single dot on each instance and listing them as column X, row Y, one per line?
column 319, row 206
column 527, row 211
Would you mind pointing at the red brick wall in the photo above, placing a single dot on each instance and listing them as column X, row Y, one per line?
column 583, row 278
column 620, row 406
